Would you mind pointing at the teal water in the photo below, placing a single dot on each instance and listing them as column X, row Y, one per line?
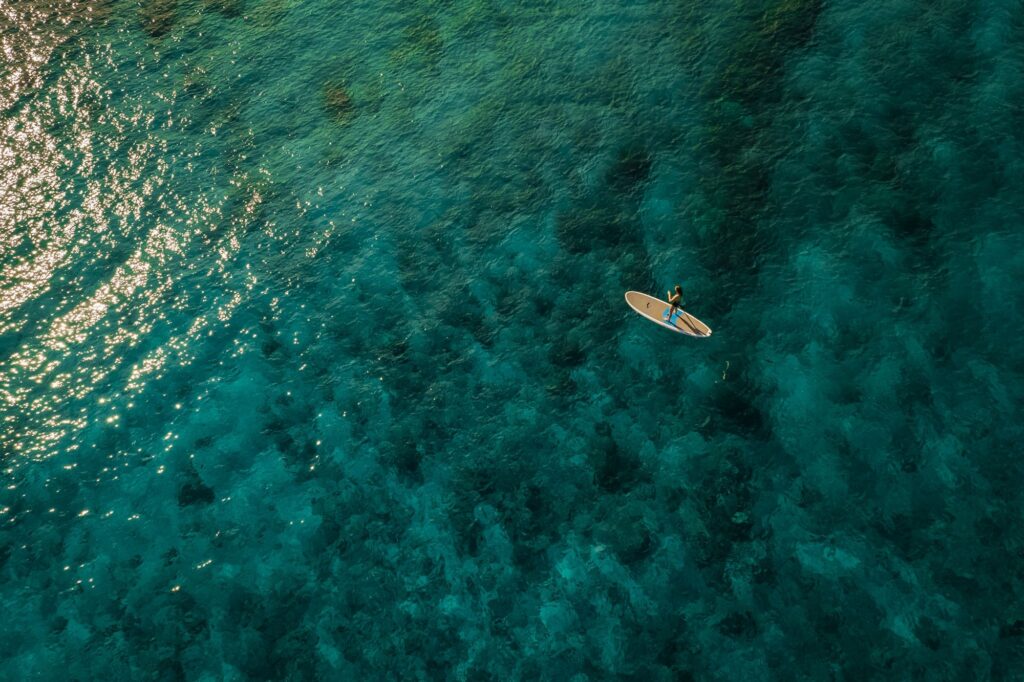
column 314, row 362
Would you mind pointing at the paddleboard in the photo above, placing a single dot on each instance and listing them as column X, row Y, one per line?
column 656, row 310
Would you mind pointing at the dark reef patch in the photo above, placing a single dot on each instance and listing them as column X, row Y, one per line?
column 422, row 44
column 158, row 16
column 742, row 143
column 338, row 101
column 229, row 8
column 194, row 491
column 607, row 218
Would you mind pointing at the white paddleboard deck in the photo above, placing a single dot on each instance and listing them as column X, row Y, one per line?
column 656, row 310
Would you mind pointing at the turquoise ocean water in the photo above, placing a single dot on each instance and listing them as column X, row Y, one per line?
column 314, row 361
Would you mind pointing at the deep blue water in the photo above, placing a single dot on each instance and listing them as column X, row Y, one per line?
column 314, row 362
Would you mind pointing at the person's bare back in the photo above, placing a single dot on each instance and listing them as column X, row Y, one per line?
column 675, row 300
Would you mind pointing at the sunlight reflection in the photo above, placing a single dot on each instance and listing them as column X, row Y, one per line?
column 95, row 238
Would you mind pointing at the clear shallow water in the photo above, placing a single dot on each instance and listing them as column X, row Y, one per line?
column 314, row 359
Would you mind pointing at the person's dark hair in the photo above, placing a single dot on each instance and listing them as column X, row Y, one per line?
column 678, row 288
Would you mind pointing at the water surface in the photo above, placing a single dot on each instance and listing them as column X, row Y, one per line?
column 314, row 360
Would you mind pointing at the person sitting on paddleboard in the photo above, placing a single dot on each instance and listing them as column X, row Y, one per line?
column 675, row 301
